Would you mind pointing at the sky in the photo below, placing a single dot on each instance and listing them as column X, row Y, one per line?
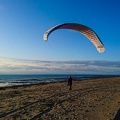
column 23, row 50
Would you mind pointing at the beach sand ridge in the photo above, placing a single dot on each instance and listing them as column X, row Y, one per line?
column 94, row 99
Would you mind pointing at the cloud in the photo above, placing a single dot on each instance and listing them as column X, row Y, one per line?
column 20, row 66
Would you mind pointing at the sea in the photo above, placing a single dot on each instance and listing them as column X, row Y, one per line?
column 16, row 80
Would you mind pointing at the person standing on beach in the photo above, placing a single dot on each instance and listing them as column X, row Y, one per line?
column 70, row 82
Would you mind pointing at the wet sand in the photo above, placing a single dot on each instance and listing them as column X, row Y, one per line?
column 95, row 99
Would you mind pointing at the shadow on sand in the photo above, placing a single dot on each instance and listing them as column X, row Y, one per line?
column 117, row 117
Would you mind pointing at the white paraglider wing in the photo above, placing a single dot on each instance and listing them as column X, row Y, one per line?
column 86, row 31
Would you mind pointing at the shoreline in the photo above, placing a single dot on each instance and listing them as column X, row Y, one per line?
column 96, row 98
column 42, row 83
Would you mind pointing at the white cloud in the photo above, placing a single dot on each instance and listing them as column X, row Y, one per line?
column 19, row 66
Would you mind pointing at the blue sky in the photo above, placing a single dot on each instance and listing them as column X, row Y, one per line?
column 23, row 23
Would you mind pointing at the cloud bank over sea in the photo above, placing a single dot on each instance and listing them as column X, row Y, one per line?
column 20, row 66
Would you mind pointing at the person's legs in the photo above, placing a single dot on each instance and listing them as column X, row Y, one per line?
column 70, row 87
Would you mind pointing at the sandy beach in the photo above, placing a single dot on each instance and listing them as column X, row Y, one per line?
column 94, row 99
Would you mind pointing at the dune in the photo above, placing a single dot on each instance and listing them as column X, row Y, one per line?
column 94, row 99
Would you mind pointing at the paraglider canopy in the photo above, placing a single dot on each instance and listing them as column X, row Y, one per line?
column 86, row 31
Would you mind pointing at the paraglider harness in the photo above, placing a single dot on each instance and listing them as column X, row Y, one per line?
column 70, row 82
